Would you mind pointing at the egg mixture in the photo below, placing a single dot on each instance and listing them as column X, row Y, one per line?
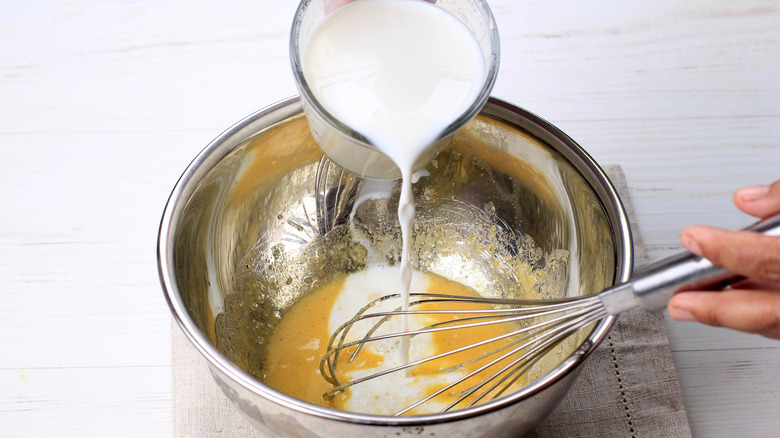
column 300, row 340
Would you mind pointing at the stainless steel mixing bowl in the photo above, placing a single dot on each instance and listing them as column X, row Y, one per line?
column 259, row 218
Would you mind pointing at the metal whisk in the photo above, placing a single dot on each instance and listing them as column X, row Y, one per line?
column 539, row 325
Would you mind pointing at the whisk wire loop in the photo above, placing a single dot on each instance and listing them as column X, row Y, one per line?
column 535, row 348
column 552, row 321
column 485, row 316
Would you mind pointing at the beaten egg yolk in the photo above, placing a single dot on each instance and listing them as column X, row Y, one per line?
column 301, row 338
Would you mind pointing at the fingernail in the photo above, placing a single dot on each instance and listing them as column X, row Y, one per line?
column 690, row 244
column 681, row 314
column 752, row 193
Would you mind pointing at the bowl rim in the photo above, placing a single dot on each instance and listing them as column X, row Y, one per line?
column 290, row 107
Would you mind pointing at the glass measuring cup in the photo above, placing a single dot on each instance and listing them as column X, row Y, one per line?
column 349, row 148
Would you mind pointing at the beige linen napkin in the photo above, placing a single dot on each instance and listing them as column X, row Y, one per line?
column 629, row 387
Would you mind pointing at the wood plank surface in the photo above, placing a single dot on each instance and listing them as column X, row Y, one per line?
column 104, row 103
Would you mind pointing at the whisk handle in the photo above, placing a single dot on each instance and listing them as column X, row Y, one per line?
column 653, row 285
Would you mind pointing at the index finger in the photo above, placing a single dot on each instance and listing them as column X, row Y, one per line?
column 743, row 252
column 759, row 201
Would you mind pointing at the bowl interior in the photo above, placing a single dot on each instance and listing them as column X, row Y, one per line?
column 511, row 208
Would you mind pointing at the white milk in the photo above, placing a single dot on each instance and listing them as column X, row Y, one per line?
column 398, row 72
column 392, row 392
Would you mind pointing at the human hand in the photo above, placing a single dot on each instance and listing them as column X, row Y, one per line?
column 752, row 305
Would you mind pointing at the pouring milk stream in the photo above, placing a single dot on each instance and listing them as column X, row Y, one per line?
column 398, row 72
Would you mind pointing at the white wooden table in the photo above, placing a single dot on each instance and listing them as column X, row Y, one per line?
column 104, row 103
